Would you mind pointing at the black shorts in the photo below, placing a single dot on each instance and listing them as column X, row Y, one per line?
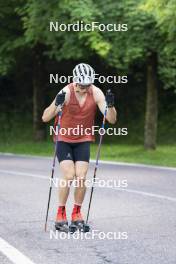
column 73, row 151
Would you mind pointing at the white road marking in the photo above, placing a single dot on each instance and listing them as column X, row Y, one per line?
column 24, row 173
column 137, row 165
column 172, row 199
column 13, row 254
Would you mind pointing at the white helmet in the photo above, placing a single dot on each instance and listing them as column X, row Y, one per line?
column 83, row 74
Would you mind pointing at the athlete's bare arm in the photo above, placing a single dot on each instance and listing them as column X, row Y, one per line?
column 52, row 110
column 100, row 100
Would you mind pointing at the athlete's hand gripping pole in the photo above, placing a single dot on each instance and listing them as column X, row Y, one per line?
column 97, row 159
column 54, row 158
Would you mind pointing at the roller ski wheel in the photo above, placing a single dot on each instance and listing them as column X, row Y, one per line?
column 62, row 226
column 72, row 228
column 81, row 226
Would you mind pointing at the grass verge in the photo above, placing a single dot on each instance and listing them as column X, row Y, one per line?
column 164, row 155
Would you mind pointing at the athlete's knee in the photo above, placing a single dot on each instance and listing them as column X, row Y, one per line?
column 69, row 177
column 68, row 173
column 81, row 171
column 81, row 176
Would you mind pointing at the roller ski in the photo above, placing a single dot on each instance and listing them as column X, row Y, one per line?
column 77, row 222
column 79, row 225
column 61, row 223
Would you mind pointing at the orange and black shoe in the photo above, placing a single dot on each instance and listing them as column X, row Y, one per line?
column 77, row 220
column 61, row 223
column 76, row 215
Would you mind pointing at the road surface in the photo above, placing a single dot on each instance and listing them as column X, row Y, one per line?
column 141, row 217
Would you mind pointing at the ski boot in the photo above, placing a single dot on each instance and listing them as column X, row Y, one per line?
column 77, row 220
column 61, row 223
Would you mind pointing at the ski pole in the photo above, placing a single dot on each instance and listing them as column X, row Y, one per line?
column 97, row 160
column 53, row 167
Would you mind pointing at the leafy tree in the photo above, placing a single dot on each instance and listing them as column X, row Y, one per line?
column 146, row 43
column 165, row 15
column 149, row 41
column 29, row 23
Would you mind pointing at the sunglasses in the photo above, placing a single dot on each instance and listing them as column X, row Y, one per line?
column 84, row 86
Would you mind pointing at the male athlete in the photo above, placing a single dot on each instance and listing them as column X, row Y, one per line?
column 79, row 100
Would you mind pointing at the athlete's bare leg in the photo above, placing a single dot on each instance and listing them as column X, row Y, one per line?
column 68, row 173
column 81, row 168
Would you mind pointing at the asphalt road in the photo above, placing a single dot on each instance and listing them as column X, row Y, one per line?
column 141, row 216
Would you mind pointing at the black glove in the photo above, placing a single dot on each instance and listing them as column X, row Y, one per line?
column 109, row 98
column 60, row 98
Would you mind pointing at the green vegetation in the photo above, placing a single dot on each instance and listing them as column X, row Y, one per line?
column 146, row 54
column 164, row 155
column 17, row 137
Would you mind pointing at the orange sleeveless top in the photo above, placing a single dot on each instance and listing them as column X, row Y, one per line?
column 76, row 116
